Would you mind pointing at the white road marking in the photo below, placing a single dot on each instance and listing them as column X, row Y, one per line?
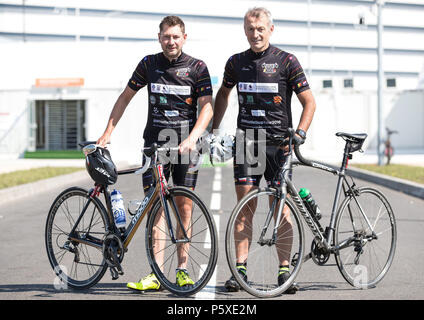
column 208, row 292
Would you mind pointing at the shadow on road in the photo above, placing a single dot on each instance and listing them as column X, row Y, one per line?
column 34, row 291
column 103, row 289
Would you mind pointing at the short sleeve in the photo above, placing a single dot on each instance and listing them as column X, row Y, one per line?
column 203, row 85
column 296, row 76
column 230, row 78
column 139, row 77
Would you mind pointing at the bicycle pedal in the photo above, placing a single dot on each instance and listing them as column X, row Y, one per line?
column 114, row 273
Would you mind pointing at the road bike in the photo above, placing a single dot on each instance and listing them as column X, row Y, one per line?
column 361, row 233
column 388, row 148
column 82, row 240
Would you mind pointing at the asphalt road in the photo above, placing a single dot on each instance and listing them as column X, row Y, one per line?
column 27, row 274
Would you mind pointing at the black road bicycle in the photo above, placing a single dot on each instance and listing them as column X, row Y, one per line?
column 361, row 233
column 82, row 240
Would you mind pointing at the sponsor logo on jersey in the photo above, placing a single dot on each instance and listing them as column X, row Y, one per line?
column 269, row 68
column 171, row 113
column 163, row 100
column 278, row 99
column 183, row 72
column 256, row 87
column 152, row 99
column 170, row 89
column 258, row 113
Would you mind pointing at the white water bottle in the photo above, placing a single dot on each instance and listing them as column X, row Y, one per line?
column 118, row 208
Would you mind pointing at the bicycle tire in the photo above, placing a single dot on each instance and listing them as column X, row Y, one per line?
column 77, row 269
column 263, row 259
column 358, row 262
column 201, row 252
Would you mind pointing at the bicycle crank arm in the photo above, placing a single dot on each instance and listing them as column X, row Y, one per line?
column 304, row 259
column 115, row 274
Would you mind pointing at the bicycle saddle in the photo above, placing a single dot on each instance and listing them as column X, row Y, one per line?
column 355, row 137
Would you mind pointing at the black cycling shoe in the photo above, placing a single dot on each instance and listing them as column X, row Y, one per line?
column 231, row 284
column 283, row 277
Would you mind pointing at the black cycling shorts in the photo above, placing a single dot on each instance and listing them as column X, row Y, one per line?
column 177, row 170
column 250, row 172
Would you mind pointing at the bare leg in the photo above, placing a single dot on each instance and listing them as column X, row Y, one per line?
column 185, row 207
column 243, row 224
column 284, row 236
column 159, row 236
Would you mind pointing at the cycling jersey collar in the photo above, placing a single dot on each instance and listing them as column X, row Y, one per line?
column 174, row 61
column 257, row 55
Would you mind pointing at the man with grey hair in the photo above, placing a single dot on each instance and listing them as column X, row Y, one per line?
column 266, row 78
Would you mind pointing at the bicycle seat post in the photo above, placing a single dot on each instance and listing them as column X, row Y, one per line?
column 346, row 157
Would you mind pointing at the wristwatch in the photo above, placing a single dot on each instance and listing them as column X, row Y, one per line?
column 301, row 133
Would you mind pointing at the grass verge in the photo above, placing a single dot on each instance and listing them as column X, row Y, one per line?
column 11, row 179
column 57, row 154
column 411, row 173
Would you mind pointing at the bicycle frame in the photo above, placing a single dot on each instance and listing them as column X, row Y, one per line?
column 323, row 238
column 159, row 191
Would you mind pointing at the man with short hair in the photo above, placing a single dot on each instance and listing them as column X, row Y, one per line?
column 176, row 84
column 265, row 77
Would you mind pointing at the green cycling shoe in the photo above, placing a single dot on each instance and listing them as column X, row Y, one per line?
column 151, row 283
column 148, row 283
column 183, row 278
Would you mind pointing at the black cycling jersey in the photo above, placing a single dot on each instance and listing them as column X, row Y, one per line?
column 173, row 88
column 265, row 84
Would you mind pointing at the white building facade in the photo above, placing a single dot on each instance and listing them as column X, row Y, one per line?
column 64, row 63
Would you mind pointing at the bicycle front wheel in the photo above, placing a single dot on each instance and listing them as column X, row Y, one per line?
column 76, row 264
column 249, row 241
column 187, row 242
column 365, row 236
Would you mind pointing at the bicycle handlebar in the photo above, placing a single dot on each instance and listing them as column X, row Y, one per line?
column 149, row 152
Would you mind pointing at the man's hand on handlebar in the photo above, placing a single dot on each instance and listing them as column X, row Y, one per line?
column 187, row 146
column 298, row 140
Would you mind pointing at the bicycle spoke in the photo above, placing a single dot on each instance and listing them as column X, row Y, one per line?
column 192, row 255
column 373, row 254
column 85, row 266
column 246, row 241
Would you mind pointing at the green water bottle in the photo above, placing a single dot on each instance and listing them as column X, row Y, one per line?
column 310, row 203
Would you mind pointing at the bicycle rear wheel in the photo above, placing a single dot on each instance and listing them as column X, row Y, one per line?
column 365, row 257
column 263, row 259
column 197, row 254
column 76, row 264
